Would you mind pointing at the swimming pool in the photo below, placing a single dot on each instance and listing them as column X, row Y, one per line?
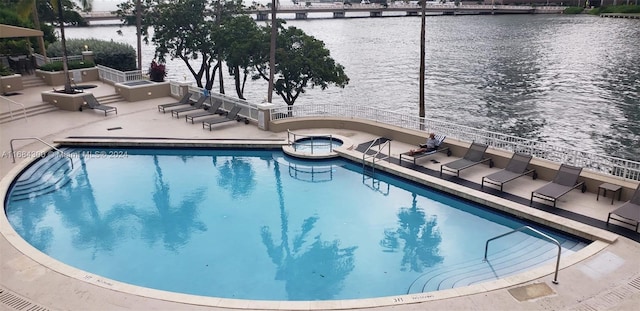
column 255, row 224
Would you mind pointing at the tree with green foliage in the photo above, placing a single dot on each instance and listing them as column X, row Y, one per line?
column 185, row 29
column 240, row 41
column 47, row 12
column 301, row 61
column 127, row 13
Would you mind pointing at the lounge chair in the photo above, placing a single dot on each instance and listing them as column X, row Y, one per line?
column 629, row 211
column 517, row 167
column 566, row 179
column 415, row 156
column 231, row 116
column 92, row 102
column 208, row 111
column 195, row 106
column 474, row 156
column 185, row 100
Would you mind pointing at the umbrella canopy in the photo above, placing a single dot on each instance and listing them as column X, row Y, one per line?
column 7, row 31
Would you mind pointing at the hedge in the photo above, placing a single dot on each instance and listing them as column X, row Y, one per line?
column 111, row 54
column 76, row 64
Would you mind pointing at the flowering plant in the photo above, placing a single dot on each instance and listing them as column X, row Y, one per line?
column 157, row 71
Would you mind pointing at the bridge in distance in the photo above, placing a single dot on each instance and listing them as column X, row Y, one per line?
column 374, row 10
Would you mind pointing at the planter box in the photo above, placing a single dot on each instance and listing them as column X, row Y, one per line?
column 10, row 84
column 55, row 78
column 71, row 102
column 134, row 91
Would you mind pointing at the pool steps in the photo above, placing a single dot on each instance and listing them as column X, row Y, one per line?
column 37, row 180
column 520, row 255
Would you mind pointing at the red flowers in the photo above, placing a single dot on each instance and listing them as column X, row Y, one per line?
column 157, row 72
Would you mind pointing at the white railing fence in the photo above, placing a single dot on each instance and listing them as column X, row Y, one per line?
column 625, row 169
column 117, row 76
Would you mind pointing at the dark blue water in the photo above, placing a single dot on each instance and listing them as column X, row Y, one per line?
column 259, row 225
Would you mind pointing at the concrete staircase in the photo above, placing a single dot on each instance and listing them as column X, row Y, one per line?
column 5, row 117
column 109, row 99
column 32, row 81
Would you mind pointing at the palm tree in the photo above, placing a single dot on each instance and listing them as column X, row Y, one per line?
column 57, row 4
column 422, row 65
column 138, row 32
column 272, row 48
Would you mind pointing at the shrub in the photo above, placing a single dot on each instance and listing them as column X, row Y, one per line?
column 111, row 54
column 573, row 10
column 14, row 47
column 157, row 72
column 76, row 64
column 616, row 9
column 5, row 71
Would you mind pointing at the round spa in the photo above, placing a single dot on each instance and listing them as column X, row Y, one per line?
column 314, row 146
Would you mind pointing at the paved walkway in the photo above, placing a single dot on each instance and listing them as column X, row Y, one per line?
column 603, row 277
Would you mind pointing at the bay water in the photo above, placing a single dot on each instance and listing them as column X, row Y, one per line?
column 569, row 80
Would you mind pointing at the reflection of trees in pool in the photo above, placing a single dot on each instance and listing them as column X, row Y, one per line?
column 79, row 209
column 30, row 225
column 420, row 236
column 174, row 224
column 237, row 176
column 314, row 272
column 102, row 230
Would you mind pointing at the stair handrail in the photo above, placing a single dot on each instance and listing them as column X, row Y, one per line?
column 380, row 148
column 555, row 277
column 24, row 110
column 13, row 154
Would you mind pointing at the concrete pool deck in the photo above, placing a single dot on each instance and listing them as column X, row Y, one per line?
column 604, row 276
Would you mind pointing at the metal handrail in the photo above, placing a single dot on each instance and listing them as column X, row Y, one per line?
column 13, row 156
column 555, row 277
column 374, row 143
column 295, row 138
column 24, row 110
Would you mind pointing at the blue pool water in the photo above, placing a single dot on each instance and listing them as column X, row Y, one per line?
column 255, row 224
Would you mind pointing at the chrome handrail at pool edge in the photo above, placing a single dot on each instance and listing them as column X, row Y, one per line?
column 555, row 276
column 13, row 156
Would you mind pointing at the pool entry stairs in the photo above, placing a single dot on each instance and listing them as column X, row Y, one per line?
column 44, row 176
column 511, row 258
column 372, row 153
